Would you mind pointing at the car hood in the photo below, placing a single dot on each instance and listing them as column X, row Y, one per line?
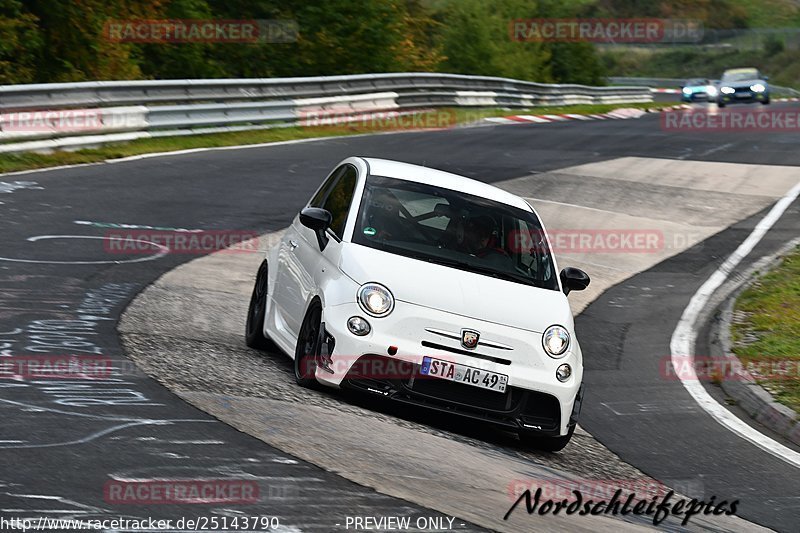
column 457, row 291
column 742, row 84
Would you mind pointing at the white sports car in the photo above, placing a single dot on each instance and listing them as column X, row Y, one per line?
column 426, row 288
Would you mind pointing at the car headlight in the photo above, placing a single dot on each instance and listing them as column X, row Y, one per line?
column 728, row 90
column 375, row 299
column 555, row 341
column 687, row 90
column 711, row 90
column 758, row 88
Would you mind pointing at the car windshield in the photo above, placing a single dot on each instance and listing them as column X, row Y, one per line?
column 454, row 229
column 741, row 75
column 695, row 82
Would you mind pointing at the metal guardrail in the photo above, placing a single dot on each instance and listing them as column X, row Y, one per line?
column 135, row 109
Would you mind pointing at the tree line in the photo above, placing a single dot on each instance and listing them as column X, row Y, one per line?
column 44, row 41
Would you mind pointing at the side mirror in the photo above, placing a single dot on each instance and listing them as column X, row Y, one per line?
column 765, row 78
column 317, row 220
column 574, row 279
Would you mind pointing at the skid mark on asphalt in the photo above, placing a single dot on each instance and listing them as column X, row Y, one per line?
column 162, row 251
column 648, row 409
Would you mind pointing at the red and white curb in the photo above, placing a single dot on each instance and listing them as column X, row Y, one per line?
column 787, row 99
column 617, row 114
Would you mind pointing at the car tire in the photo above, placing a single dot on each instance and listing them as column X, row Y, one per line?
column 308, row 345
column 720, row 104
column 765, row 102
column 256, row 312
column 531, row 439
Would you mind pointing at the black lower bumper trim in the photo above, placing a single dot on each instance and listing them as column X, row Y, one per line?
column 516, row 409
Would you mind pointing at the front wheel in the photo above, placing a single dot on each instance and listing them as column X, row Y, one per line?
column 308, row 346
column 548, row 444
column 256, row 313
column 765, row 102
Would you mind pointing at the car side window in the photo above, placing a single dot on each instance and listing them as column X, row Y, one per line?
column 322, row 193
column 339, row 198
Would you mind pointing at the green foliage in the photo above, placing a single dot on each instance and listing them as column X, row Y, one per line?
column 181, row 60
column 693, row 62
column 20, row 43
column 577, row 63
column 769, row 13
column 75, row 46
column 771, row 307
column 773, row 44
column 476, row 39
column 714, row 13
column 66, row 40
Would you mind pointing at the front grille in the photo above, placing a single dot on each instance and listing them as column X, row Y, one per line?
column 436, row 346
column 462, row 394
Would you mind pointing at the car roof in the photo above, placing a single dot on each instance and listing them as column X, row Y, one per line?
column 445, row 180
column 744, row 70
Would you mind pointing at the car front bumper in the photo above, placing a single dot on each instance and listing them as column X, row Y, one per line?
column 386, row 363
column 695, row 97
column 743, row 98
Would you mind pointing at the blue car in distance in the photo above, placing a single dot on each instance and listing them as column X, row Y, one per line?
column 743, row 85
column 698, row 89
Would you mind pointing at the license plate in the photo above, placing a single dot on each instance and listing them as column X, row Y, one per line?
column 744, row 95
column 468, row 375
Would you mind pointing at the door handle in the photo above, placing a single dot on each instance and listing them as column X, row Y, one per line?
column 293, row 244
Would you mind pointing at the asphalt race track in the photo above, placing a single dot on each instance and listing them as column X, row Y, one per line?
column 61, row 292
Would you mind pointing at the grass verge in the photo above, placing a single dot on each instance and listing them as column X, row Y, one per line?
column 446, row 117
column 766, row 330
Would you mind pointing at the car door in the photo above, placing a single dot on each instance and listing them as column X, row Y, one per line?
column 298, row 259
column 338, row 202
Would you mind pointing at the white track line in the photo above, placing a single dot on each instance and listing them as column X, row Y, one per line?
column 685, row 334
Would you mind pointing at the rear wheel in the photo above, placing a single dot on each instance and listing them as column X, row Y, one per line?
column 256, row 313
column 308, row 346
column 548, row 444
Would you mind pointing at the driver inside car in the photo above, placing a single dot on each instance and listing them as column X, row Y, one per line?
column 481, row 237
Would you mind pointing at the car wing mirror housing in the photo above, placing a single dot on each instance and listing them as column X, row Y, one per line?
column 317, row 220
column 574, row 279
